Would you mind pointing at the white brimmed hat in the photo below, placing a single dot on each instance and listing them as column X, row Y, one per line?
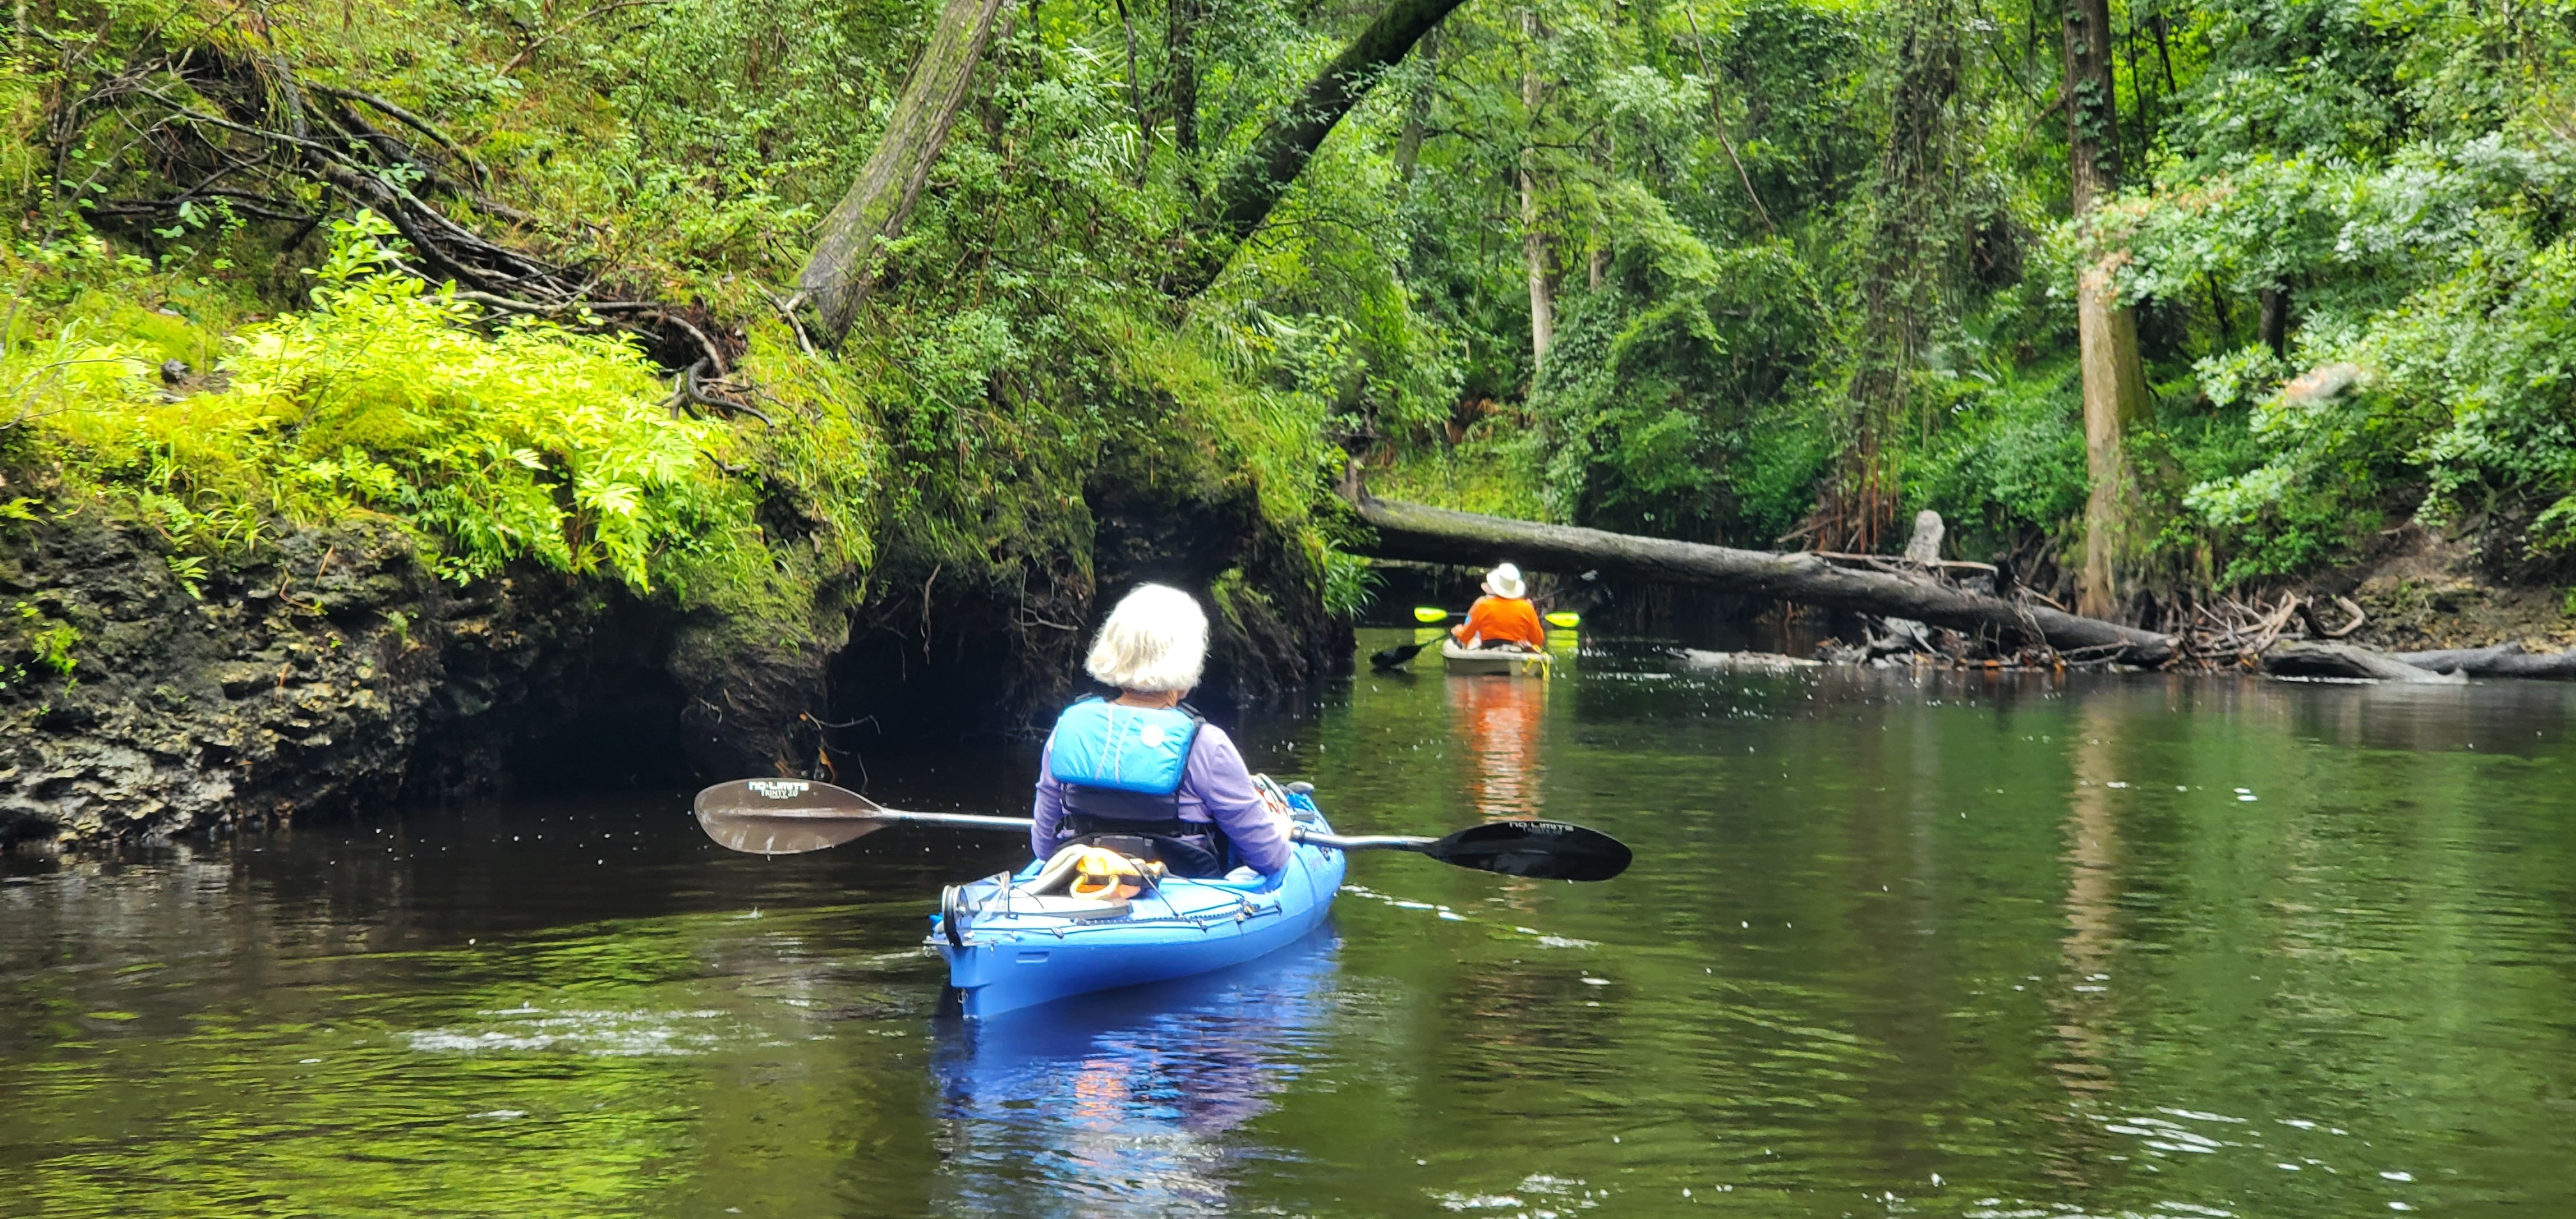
column 1156, row 640
column 1505, row 581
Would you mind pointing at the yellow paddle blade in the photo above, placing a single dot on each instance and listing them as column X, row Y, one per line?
column 1565, row 618
column 1430, row 613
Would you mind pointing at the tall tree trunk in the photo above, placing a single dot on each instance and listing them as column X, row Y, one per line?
column 2115, row 389
column 843, row 267
column 1416, row 126
column 1136, row 100
column 1255, row 183
column 2115, row 399
column 1536, row 250
column 2272, row 324
column 1408, row 139
column 1181, row 87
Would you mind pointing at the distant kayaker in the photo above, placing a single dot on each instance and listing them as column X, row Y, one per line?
column 1503, row 617
column 1142, row 764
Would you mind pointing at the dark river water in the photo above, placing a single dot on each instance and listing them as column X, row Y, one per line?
column 1893, row 945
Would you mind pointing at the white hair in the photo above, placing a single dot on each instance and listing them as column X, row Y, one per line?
column 1156, row 640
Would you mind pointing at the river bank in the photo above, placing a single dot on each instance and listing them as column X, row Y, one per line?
column 334, row 671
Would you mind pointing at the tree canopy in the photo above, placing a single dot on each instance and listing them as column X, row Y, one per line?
column 1810, row 265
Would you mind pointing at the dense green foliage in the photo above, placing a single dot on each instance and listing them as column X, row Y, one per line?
column 1810, row 264
column 2395, row 178
column 532, row 443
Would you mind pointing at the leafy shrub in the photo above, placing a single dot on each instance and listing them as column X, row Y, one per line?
column 2010, row 459
column 531, row 443
column 1653, row 391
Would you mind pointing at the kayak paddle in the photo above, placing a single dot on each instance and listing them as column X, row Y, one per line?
column 793, row 816
column 1388, row 658
column 1431, row 615
column 1546, row 850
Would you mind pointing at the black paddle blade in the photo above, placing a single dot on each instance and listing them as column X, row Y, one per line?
column 1388, row 658
column 785, row 816
column 1546, row 850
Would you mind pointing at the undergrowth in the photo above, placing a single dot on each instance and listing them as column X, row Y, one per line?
column 524, row 443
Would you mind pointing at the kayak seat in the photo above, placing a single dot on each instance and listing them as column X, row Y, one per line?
column 1178, row 858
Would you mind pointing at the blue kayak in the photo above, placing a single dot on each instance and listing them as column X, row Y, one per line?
column 1007, row 949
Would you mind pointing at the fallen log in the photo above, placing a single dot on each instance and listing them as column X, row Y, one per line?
column 2502, row 660
column 1439, row 535
column 2454, row 660
column 2301, row 658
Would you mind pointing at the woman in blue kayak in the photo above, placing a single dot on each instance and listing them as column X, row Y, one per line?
column 1140, row 764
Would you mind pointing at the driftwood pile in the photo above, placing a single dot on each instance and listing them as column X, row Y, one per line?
column 1920, row 609
column 2207, row 636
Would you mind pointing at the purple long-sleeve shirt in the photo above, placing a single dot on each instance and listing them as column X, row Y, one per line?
column 1215, row 786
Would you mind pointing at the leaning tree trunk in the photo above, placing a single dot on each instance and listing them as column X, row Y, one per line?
column 1438, row 535
column 2115, row 390
column 843, row 268
column 1256, row 183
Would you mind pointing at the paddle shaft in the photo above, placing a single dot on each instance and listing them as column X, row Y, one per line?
column 972, row 821
column 794, row 816
column 1362, row 842
column 963, row 821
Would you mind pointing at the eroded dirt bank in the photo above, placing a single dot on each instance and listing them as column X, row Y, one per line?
column 145, row 699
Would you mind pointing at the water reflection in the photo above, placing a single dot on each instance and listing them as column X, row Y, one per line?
column 1129, row 1103
column 2081, row 998
column 1854, row 953
column 1503, row 721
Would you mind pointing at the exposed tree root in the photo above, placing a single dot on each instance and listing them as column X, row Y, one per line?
column 229, row 134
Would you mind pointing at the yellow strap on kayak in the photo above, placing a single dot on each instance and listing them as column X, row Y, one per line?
column 1105, row 875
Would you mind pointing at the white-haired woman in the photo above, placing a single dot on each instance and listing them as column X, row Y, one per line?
column 1139, row 764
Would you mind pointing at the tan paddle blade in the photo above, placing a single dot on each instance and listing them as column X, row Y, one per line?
column 785, row 816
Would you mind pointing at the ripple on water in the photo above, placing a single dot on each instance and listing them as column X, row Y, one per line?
column 605, row 1033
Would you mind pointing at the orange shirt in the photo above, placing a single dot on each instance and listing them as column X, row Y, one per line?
column 1494, row 620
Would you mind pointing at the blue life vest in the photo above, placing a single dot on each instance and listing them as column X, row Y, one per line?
column 1121, row 769
column 1121, row 762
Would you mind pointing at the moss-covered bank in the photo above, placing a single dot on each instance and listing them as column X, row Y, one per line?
column 382, row 547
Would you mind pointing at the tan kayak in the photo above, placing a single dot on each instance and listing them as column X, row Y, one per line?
column 1491, row 662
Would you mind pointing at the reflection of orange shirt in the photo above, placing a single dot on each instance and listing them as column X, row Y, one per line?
column 1502, row 620
column 1502, row 722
